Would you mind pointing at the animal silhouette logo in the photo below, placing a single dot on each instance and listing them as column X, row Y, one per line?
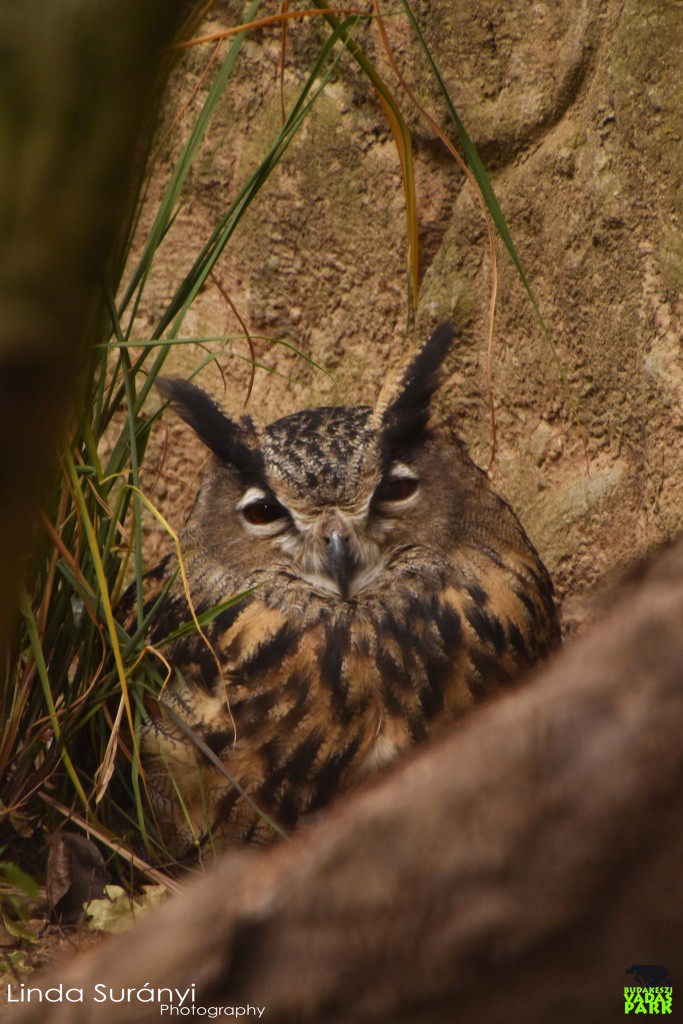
column 649, row 975
column 650, row 991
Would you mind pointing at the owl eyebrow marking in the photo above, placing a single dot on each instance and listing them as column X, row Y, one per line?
column 256, row 494
column 400, row 471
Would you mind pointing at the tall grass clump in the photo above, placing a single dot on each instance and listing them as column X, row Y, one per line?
column 74, row 683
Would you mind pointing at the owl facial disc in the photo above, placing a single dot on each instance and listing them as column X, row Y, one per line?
column 326, row 496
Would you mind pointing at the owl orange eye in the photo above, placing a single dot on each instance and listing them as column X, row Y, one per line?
column 396, row 488
column 260, row 513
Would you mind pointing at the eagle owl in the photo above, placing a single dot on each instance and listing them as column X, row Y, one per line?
column 386, row 589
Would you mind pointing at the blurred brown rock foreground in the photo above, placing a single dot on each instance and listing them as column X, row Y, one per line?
column 510, row 872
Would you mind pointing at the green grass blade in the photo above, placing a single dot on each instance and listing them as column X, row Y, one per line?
column 182, row 167
column 41, row 667
column 103, row 587
column 402, row 137
column 475, row 164
column 204, row 619
column 225, row 228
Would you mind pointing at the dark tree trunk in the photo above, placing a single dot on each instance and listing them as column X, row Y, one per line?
column 76, row 80
column 507, row 874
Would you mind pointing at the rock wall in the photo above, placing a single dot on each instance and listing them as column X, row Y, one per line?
column 577, row 111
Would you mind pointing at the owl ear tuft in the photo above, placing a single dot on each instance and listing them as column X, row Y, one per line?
column 226, row 439
column 405, row 415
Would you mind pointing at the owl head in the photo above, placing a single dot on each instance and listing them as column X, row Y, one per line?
column 326, row 495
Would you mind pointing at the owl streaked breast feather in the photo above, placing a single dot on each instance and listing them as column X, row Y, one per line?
column 390, row 588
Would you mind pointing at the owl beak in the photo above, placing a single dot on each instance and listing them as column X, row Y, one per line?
column 339, row 561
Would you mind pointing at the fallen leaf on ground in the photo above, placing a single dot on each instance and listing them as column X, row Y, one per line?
column 118, row 911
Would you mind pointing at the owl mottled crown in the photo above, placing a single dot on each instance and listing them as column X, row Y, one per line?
column 323, row 448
